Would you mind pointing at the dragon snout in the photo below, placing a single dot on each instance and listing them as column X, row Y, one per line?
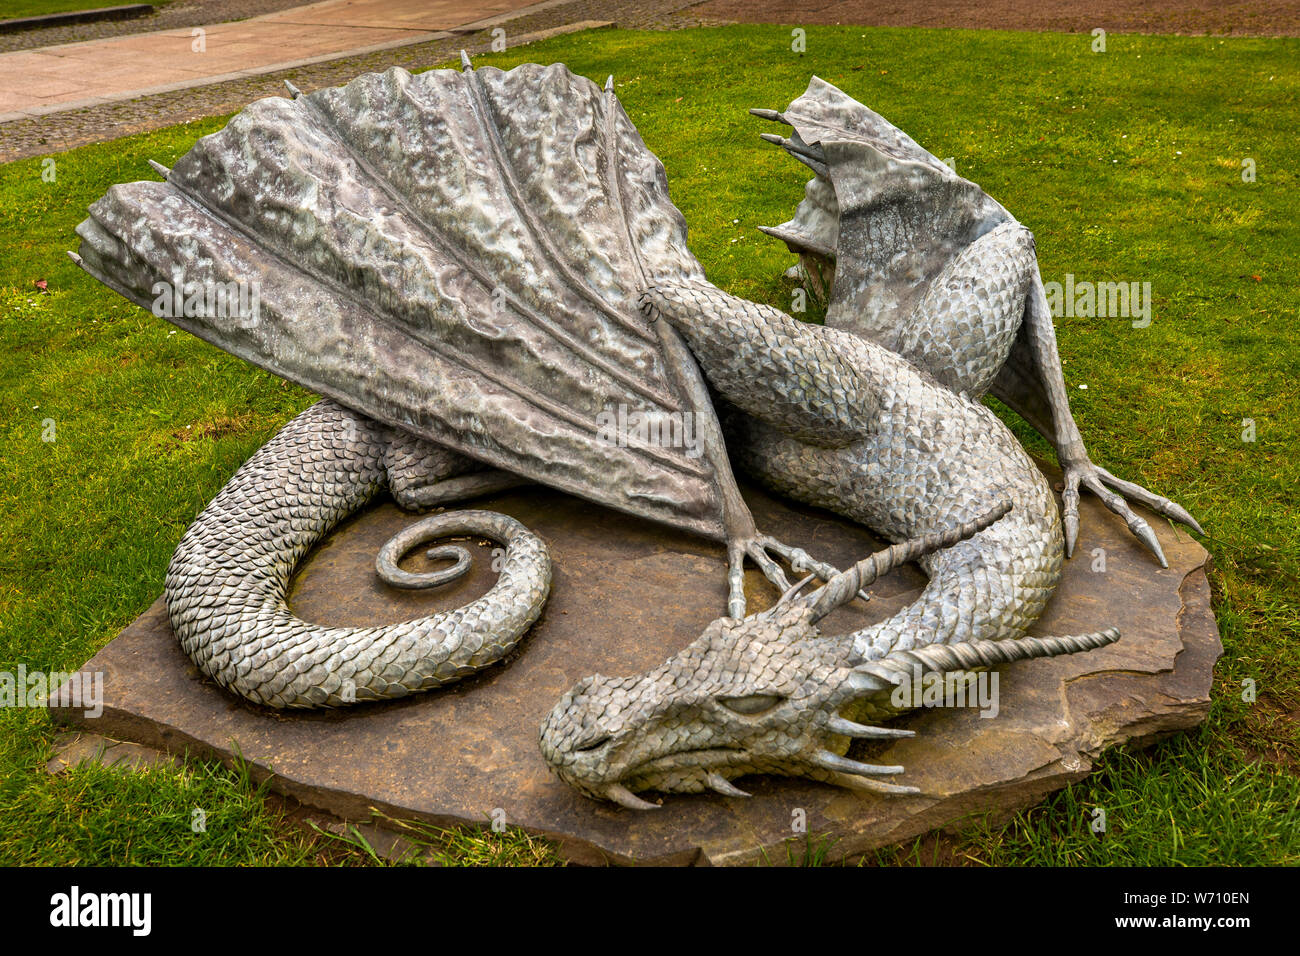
column 579, row 740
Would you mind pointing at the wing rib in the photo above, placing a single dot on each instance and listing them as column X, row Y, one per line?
column 539, row 321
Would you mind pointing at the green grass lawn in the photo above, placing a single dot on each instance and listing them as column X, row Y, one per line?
column 13, row 9
column 1126, row 165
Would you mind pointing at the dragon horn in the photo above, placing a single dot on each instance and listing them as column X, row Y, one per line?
column 902, row 666
column 842, row 587
column 977, row 654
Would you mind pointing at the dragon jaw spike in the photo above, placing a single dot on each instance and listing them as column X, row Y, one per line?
column 844, row 586
column 626, row 798
column 829, row 761
column 722, row 785
column 847, row 728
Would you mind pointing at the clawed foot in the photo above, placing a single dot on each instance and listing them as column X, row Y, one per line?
column 1101, row 482
column 756, row 549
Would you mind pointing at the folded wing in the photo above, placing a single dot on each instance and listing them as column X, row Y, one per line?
column 455, row 253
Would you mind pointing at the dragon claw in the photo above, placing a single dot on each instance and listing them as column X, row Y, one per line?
column 771, row 570
column 757, row 549
column 1113, row 491
column 1070, row 514
column 801, row 560
column 1155, row 502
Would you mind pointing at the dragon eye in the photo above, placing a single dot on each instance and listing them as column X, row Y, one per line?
column 592, row 744
column 752, row 705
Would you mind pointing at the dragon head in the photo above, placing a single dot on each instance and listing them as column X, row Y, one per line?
column 762, row 694
column 756, row 695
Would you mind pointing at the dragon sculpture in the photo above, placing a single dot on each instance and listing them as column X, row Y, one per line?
column 472, row 266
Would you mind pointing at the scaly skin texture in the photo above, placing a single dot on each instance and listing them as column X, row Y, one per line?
column 227, row 583
column 491, row 261
column 922, row 459
column 899, row 452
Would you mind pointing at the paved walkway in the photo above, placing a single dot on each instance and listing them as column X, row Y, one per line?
column 55, row 131
column 76, row 75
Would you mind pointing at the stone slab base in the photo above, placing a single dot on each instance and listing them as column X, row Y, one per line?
column 627, row 595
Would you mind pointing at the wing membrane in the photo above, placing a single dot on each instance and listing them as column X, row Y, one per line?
column 455, row 253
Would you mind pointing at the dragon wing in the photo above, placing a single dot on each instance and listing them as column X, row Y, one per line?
column 887, row 213
column 458, row 254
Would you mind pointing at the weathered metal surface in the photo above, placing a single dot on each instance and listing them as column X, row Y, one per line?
column 488, row 263
column 455, row 253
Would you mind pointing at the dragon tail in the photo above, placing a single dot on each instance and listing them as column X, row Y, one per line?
column 227, row 584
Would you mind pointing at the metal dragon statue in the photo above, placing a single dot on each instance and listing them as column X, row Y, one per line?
column 472, row 267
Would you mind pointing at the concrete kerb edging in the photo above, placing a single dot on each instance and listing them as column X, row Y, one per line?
column 413, row 40
column 127, row 11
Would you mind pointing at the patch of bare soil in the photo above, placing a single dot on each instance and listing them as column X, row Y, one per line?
column 1225, row 17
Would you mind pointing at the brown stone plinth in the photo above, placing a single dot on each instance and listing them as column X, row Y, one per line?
column 629, row 594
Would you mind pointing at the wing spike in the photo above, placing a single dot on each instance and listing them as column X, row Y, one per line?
column 802, row 242
column 294, row 92
column 160, row 169
column 810, row 156
column 465, row 63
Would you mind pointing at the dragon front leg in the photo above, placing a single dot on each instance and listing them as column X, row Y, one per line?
column 783, row 379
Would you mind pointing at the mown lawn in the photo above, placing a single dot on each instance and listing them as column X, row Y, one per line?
column 1126, row 164
column 13, row 9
